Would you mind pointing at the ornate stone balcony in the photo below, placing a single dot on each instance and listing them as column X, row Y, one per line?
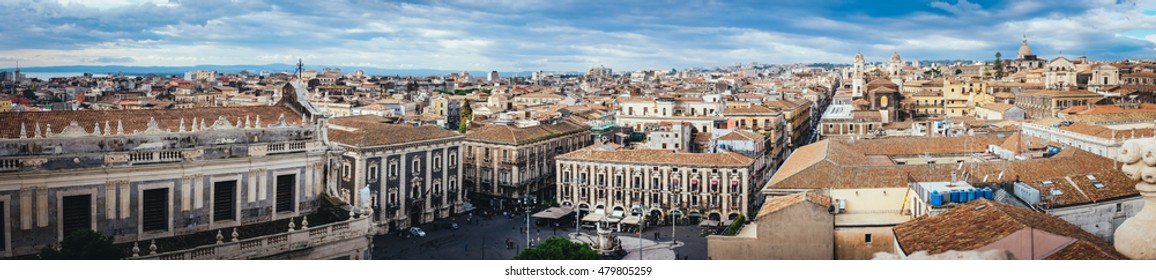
column 303, row 237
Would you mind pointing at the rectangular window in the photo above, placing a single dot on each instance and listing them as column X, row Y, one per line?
column 372, row 172
column 224, row 201
column 867, row 238
column 285, row 198
column 76, row 213
column 155, row 214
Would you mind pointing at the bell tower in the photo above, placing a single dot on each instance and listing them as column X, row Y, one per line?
column 857, row 79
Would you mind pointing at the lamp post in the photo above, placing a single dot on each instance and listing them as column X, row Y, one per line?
column 673, row 223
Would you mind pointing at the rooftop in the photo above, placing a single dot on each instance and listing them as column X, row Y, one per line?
column 138, row 120
column 984, row 224
column 513, row 135
column 725, row 158
column 371, row 130
column 838, row 165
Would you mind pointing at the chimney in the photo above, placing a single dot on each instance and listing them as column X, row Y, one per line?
column 953, row 178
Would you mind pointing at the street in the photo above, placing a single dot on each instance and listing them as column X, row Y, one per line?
column 466, row 242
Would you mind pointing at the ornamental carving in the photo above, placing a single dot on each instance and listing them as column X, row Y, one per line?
column 193, row 154
column 258, row 150
column 33, row 162
column 1134, row 237
column 115, row 158
column 73, row 130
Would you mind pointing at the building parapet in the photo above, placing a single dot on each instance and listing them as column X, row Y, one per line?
column 270, row 245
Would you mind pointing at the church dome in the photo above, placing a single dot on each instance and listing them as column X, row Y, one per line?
column 1024, row 49
column 858, row 57
column 895, row 57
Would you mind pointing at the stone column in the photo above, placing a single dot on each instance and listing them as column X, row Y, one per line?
column 1134, row 238
column 185, row 196
column 251, row 187
column 262, row 184
column 198, row 192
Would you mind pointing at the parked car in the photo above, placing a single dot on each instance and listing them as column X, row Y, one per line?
column 452, row 225
column 416, row 232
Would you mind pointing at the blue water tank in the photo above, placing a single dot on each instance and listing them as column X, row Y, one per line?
column 971, row 194
column 936, row 198
column 988, row 193
column 954, row 196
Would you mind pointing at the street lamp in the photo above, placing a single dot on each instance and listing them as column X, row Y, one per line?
column 673, row 224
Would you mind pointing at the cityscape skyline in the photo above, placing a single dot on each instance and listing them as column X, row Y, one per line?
column 561, row 36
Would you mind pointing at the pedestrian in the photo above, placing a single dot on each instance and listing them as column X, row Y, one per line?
column 655, row 236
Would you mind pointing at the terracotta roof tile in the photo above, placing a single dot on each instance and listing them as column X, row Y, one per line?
column 137, row 120
column 371, row 131
column 836, row 165
column 742, row 135
column 517, row 136
column 774, row 204
column 725, row 158
column 978, row 223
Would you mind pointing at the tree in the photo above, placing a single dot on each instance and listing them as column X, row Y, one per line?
column 28, row 93
column 558, row 248
column 998, row 66
column 83, row 244
column 958, row 71
column 467, row 115
column 933, row 72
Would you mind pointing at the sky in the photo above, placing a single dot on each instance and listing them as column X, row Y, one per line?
column 561, row 35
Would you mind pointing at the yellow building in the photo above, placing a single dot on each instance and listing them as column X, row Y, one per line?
column 962, row 96
column 5, row 105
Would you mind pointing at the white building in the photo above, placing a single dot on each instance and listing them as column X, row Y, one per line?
column 632, row 185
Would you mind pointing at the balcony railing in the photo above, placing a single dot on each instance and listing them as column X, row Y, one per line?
column 154, row 157
column 9, row 164
column 270, row 244
column 280, row 148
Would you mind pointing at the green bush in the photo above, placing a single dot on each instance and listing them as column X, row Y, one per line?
column 735, row 226
column 558, row 248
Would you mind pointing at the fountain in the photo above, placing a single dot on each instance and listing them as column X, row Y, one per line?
column 607, row 244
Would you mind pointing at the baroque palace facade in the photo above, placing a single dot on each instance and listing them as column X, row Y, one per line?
column 632, row 186
column 144, row 175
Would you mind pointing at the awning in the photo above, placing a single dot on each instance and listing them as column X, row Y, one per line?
column 727, row 222
column 592, row 217
column 708, row 223
column 632, row 220
column 553, row 213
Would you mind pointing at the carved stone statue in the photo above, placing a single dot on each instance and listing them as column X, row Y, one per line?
column 1136, row 237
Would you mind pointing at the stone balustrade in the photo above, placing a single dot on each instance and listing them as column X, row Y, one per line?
column 269, row 245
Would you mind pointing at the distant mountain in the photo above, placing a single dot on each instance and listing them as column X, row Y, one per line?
column 272, row 68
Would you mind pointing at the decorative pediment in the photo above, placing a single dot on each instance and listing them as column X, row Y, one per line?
column 221, row 124
column 153, row 127
column 74, row 130
column 280, row 122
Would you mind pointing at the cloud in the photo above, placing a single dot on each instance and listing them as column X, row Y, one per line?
column 560, row 35
column 110, row 60
column 961, row 8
